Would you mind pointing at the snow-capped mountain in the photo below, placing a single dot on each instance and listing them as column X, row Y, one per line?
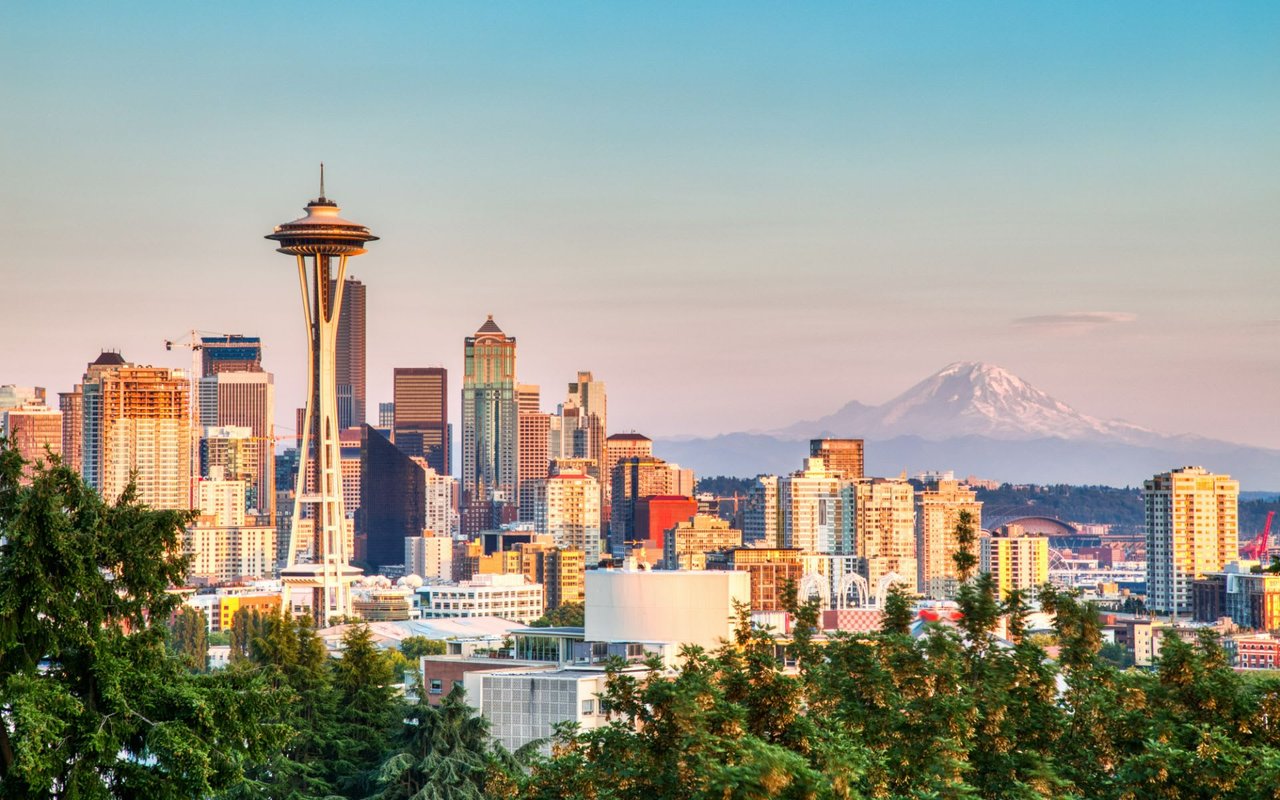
column 982, row 420
column 969, row 398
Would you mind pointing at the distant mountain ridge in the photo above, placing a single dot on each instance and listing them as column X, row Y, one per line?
column 980, row 419
column 969, row 398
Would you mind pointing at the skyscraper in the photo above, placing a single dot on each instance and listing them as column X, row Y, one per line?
column 490, row 429
column 535, row 430
column 634, row 479
column 392, row 499
column 349, row 354
column 813, row 509
column 567, row 506
column 842, row 456
column 884, row 530
column 1192, row 528
column 938, row 509
column 230, row 354
column 420, row 414
column 137, row 427
column 245, row 399
column 318, row 240
column 586, row 401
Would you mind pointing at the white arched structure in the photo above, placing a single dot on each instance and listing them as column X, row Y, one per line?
column 853, row 581
column 814, row 584
column 882, row 586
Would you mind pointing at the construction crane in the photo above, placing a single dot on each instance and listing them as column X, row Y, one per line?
column 196, row 345
column 1257, row 550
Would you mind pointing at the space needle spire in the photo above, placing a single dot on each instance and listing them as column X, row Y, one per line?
column 321, row 242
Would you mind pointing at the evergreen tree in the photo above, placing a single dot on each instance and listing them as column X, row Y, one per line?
column 92, row 702
column 189, row 638
column 369, row 709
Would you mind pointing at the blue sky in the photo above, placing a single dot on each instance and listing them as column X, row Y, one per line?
column 736, row 214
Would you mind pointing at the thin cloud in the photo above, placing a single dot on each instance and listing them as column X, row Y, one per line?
column 1077, row 319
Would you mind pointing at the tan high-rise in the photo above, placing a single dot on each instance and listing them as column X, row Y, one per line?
column 534, row 459
column 842, row 456
column 139, row 429
column 1192, row 528
column 938, row 509
column 884, row 530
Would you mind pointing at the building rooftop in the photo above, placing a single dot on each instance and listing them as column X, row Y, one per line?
column 489, row 326
column 109, row 358
column 634, row 437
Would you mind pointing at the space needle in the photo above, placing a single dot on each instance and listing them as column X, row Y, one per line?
column 321, row 241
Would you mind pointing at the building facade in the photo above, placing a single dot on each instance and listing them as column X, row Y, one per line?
column 420, row 414
column 813, row 509
column 688, row 542
column 490, row 428
column 534, row 435
column 349, row 354
column 884, row 530
column 567, row 506
column 938, row 509
column 507, row 596
column 1191, row 529
column 34, row 431
column 245, row 399
column 1015, row 561
column 843, row 457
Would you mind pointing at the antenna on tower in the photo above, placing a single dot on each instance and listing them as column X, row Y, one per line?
column 322, row 180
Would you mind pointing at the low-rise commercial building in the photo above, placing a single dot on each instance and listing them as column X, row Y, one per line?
column 509, row 597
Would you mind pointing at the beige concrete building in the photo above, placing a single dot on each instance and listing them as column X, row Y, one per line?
column 137, row 426
column 567, row 506
column 1192, row 529
column 534, row 456
column 884, row 529
column 561, row 572
column 429, row 556
column 686, row 545
column 1015, row 560
column 246, row 400
column 938, row 509
column 224, row 543
column 812, row 509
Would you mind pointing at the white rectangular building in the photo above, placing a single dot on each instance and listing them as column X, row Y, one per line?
column 509, row 596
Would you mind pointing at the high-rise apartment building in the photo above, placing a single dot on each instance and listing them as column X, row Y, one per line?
column 245, row 399
column 884, row 529
column 812, row 506
column 34, row 431
column 534, row 432
column 137, row 428
column 420, row 414
column 567, row 506
column 1015, row 561
column 229, row 453
column 223, row 543
column 842, row 456
column 938, row 509
column 230, row 354
column 71, row 404
column 771, row 570
column 634, row 479
column 441, row 507
column 350, row 354
column 763, row 518
column 490, row 429
column 1192, row 528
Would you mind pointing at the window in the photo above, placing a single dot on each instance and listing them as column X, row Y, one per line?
column 588, row 706
column 436, row 684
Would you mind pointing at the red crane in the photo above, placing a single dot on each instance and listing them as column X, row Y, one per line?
column 1258, row 548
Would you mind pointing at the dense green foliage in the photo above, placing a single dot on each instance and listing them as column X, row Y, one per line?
column 569, row 615
column 93, row 702
column 189, row 638
column 415, row 647
column 950, row 713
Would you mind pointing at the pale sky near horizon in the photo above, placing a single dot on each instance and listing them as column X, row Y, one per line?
column 738, row 215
